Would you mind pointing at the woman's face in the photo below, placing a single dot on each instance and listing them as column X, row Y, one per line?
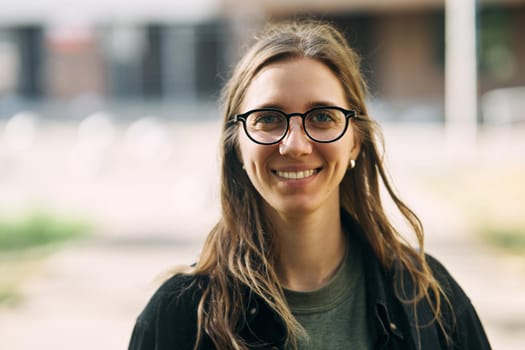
column 297, row 175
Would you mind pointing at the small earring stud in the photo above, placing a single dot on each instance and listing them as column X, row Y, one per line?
column 352, row 163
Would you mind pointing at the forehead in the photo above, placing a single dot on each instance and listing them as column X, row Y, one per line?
column 294, row 85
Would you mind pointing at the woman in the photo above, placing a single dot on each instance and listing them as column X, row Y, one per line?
column 304, row 256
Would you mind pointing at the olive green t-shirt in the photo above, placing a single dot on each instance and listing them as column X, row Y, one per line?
column 334, row 316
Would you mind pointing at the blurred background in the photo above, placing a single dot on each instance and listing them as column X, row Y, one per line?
column 109, row 126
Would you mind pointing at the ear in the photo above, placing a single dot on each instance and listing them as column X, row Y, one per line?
column 356, row 148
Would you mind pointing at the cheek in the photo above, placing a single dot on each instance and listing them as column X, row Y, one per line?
column 341, row 151
column 250, row 154
column 253, row 158
column 242, row 147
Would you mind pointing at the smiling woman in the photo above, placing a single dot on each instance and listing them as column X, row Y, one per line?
column 278, row 170
column 304, row 256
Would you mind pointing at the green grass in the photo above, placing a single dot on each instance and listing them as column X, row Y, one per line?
column 8, row 294
column 510, row 241
column 39, row 228
column 491, row 198
column 25, row 243
column 15, row 269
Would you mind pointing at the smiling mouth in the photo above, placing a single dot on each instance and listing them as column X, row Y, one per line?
column 296, row 175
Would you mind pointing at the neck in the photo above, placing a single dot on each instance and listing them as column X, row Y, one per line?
column 310, row 249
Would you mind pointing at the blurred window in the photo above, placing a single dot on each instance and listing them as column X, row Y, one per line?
column 496, row 57
column 9, row 64
column 152, row 61
column 30, row 50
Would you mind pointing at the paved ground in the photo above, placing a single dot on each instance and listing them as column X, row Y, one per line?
column 494, row 282
column 88, row 295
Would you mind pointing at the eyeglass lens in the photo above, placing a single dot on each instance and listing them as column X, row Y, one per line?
column 267, row 126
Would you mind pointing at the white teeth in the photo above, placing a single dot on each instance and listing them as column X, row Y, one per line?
column 295, row 175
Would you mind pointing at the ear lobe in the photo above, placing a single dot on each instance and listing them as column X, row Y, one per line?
column 356, row 140
column 354, row 153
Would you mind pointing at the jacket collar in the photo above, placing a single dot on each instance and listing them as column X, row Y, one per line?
column 262, row 327
column 387, row 315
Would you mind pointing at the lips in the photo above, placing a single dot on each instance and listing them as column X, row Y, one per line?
column 296, row 175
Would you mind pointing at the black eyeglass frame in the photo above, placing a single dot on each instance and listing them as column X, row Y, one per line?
column 349, row 113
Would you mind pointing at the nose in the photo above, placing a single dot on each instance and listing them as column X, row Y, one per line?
column 296, row 143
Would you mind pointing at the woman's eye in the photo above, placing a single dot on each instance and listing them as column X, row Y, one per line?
column 267, row 119
column 322, row 117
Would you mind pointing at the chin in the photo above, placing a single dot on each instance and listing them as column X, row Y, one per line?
column 295, row 208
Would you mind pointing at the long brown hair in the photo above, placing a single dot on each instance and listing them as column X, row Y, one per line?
column 239, row 252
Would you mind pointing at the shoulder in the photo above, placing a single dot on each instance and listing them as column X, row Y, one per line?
column 176, row 293
column 170, row 316
column 464, row 323
column 458, row 299
column 455, row 297
column 449, row 285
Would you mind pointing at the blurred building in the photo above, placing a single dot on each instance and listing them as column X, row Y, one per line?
column 181, row 52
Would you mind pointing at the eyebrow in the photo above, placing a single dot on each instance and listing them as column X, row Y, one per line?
column 309, row 105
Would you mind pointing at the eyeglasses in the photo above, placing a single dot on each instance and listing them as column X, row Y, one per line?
column 268, row 126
